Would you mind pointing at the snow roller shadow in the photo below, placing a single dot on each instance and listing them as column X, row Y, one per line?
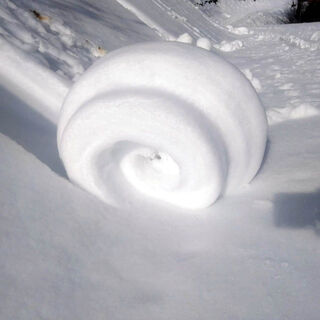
column 31, row 130
column 297, row 210
column 265, row 156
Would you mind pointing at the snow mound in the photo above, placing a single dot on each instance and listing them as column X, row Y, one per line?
column 254, row 81
column 229, row 46
column 315, row 36
column 239, row 30
column 300, row 43
column 304, row 110
column 185, row 38
column 204, row 43
column 174, row 122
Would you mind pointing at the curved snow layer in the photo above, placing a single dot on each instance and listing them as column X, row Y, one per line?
column 177, row 123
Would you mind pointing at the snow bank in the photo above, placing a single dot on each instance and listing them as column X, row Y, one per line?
column 34, row 84
column 229, row 46
column 254, row 81
column 251, row 13
column 304, row 110
column 204, row 43
column 185, row 38
column 172, row 121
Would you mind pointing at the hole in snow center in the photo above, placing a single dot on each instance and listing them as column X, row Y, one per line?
column 148, row 169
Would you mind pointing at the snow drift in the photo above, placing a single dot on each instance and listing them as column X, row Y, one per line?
column 174, row 122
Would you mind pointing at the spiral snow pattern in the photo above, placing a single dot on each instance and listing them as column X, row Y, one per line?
column 174, row 122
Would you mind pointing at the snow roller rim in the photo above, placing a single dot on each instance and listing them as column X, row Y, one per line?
column 186, row 72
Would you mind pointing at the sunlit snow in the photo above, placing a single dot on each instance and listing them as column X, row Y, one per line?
column 173, row 88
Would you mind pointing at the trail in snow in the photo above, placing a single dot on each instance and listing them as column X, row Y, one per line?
column 279, row 65
column 68, row 41
column 166, row 35
column 172, row 19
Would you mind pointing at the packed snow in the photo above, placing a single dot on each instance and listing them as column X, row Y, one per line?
column 65, row 254
column 181, row 123
column 35, row 84
column 204, row 43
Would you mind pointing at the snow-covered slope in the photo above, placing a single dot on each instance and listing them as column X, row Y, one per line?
column 67, row 36
column 66, row 255
column 255, row 256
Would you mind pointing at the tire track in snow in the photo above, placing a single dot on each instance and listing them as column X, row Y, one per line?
column 201, row 26
column 147, row 20
column 171, row 19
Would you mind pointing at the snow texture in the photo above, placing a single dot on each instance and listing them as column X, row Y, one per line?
column 179, row 123
column 64, row 254
column 185, row 38
column 227, row 46
column 204, row 43
column 41, row 88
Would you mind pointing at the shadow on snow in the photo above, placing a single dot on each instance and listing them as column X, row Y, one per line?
column 29, row 129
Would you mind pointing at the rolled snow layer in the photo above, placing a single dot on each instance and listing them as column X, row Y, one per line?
column 174, row 122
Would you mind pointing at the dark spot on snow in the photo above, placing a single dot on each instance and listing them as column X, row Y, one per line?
column 39, row 16
column 297, row 210
column 155, row 156
column 36, row 14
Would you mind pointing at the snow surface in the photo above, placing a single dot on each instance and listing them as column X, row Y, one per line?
column 66, row 255
column 21, row 74
column 178, row 122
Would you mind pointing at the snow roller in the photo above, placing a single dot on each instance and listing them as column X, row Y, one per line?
column 163, row 120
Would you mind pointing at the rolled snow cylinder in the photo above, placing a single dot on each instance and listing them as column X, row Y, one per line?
column 172, row 121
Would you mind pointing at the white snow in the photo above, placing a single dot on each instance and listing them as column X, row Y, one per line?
column 162, row 97
column 250, row 13
column 304, row 110
column 315, row 36
column 254, row 81
column 133, row 6
column 204, row 43
column 240, row 30
column 68, row 40
column 185, row 38
column 229, row 46
column 41, row 88
column 64, row 254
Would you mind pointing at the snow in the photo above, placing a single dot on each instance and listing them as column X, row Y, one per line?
column 142, row 100
column 250, row 13
column 69, row 256
column 254, row 81
column 301, row 111
column 204, row 43
column 315, row 36
column 64, row 254
column 229, row 46
column 36, row 85
column 68, row 41
column 185, row 38
column 240, row 30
